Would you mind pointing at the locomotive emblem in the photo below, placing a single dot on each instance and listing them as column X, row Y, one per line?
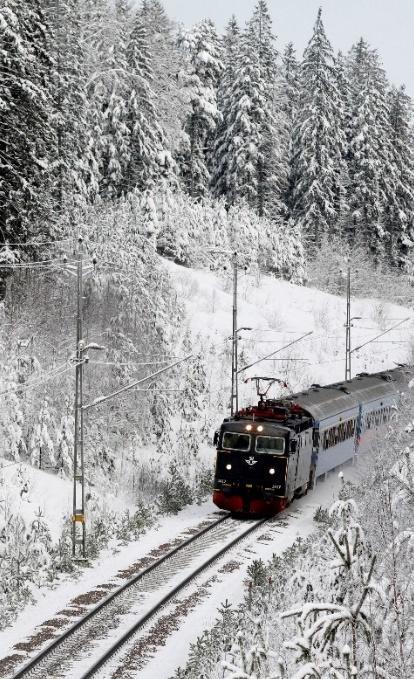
column 251, row 461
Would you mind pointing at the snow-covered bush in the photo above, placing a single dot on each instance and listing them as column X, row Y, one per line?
column 326, row 269
column 205, row 233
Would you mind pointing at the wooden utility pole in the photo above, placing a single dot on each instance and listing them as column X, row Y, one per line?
column 78, row 516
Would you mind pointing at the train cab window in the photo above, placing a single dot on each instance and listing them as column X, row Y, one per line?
column 270, row 444
column 234, row 441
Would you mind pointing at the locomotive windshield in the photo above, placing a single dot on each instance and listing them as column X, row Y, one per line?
column 270, row 444
column 234, row 441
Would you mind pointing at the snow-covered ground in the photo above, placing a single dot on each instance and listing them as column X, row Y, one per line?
column 105, row 569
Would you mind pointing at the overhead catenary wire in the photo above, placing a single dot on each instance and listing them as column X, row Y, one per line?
column 40, row 242
column 103, row 399
column 131, row 363
column 49, row 263
column 381, row 335
column 61, row 370
column 246, row 367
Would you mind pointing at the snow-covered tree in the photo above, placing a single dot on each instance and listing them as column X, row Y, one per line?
column 148, row 157
column 220, row 176
column 194, row 389
column 166, row 63
column 162, row 413
column 336, row 627
column 291, row 79
column 253, row 169
column 65, row 440
column 370, row 163
column 13, row 444
column 28, row 139
column 116, row 134
column 204, row 56
column 66, row 23
column 399, row 215
column 42, row 450
column 39, row 550
column 319, row 141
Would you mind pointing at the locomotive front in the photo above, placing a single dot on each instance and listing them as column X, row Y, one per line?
column 251, row 466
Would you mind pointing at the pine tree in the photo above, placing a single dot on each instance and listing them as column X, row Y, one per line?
column 148, row 158
column 399, row 217
column 286, row 101
column 28, row 140
column 13, row 444
column 65, row 439
column 319, row 141
column 162, row 412
column 204, row 54
column 336, row 627
column 220, row 178
column 253, row 169
column 42, row 454
column 370, row 164
column 95, row 37
column 115, row 151
column 39, row 550
column 68, row 91
column 291, row 80
column 166, row 63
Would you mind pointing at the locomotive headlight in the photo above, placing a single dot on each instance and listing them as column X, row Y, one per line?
column 248, row 427
column 228, row 466
column 271, row 471
column 260, row 428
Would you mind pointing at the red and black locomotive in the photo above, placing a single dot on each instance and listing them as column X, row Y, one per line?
column 269, row 453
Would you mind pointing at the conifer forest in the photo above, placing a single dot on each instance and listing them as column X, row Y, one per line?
column 154, row 176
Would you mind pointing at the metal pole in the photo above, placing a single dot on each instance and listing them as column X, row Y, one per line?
column 78, row 515
column 348, row 327
column 234, row 361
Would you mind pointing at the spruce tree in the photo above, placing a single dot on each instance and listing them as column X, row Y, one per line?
column 286, row 107
column 372, row 189
column 290, row 72
column 147, row 155
column 204, row 53
column 223, row 143
column 166, row 63
column 116, row 152
column 252, row 168
column 399, row 217
column 69, row 98
column 28, row 140
column 319, row 141
column 42, row 453
column 95, row 39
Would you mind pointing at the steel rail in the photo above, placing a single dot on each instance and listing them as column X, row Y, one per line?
column 158, row 606
column 54, row 645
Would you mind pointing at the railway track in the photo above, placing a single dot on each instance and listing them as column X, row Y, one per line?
column 82, row 651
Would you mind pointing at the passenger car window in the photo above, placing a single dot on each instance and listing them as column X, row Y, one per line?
column 270, row 444
column 234, row 441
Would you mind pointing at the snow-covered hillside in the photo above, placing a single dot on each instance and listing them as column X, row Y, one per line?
column 278, row 312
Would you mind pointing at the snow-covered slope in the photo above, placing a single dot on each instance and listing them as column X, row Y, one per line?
column 278, row 312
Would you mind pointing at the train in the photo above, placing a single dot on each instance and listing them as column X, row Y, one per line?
column 268, row 454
